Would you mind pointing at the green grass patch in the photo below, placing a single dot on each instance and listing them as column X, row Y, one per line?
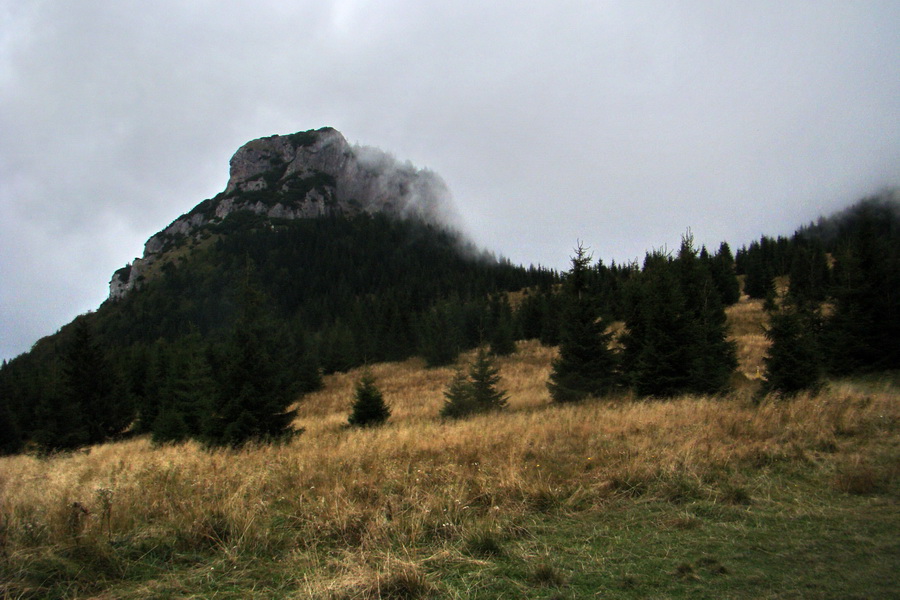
column 797, row 542
column 798, row 537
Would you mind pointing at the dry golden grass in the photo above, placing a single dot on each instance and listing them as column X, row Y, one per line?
column 415, row 394
column 423, row 480
column 746, row 321
column 420, row 477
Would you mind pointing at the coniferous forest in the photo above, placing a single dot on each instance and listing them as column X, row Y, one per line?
column 239, row 323
column 235, row 329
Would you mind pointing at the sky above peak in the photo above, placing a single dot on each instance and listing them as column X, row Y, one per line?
column 619, row 124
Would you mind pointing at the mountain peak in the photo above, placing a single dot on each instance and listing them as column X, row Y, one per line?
column 307, row 174
column 286, row 156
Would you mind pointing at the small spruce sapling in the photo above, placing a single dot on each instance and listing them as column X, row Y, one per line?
column 458, row 396
column 485, row 376
column 369, row 408
column 476, row 392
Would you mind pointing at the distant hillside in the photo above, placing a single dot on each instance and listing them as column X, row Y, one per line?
column 876, row 216
column 348, row 258
column 851, row 261
column 349, row 247
column 367, row 280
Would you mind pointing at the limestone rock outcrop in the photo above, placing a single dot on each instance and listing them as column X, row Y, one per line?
column 299, row 176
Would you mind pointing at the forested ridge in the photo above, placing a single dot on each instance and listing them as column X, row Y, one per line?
column 849, row 263
column 241, row 321
column 315, row 295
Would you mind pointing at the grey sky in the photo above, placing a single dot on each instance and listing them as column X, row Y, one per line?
column 617, row 123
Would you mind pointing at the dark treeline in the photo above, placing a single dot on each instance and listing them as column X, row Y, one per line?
column 835, row 311
column 673, row 309
column 233, row 329
column 849, row 263
column 253, row 315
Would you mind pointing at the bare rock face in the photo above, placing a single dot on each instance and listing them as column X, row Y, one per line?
column 292, row 156
column 300, row 176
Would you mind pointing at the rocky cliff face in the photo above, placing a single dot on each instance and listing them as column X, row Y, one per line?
column 299, row 176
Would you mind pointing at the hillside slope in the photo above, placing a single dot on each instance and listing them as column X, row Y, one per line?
column 348, row 257
column 691, row 497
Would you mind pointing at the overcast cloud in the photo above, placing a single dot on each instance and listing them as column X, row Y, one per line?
column 617, row 123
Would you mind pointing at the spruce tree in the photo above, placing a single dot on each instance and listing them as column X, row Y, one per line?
column 59, row 416
column 676, row 340
column 759, row 272
column 369, row 408
column 169, row 426
column 307, row 375
column 529, row 315
column 195, row 388
column 794, row 361
column 714, row 357
column 550, row 318
column 809, row 273
column 721, row 267
column 92, row 385
column 485, row 376
column 476, row 392
column 10, row 432
column 862, row 332
column 155, row 388
column 537, row 317
column 610, row 288
column 585, row 366
column 440, row 333
column 190, row 390
column 656, row 359
column 338, row 347
column 458, row 397
column 503, row 335
column 252, row 401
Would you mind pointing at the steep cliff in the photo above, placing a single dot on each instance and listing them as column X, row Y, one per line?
column 298, row 176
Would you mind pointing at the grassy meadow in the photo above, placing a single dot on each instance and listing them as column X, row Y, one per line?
column 693, row 497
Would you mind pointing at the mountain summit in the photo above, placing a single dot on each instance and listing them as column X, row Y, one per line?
column 303, row 175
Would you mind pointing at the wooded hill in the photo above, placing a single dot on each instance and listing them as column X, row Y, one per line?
column 318, row 295
column 850, row 261
column 241, row 321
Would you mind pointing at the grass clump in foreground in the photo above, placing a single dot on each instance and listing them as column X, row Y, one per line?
column 691, row 497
